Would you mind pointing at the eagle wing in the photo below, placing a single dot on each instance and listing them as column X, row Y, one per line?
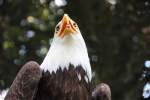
column 101, row 92
column 25, row 84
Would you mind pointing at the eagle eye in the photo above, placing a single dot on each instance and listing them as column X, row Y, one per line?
column 57, row 28
column 74, row 24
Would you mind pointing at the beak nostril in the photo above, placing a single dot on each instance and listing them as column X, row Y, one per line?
column 67, row 26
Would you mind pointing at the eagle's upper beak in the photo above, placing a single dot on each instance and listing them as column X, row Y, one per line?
column 67, row 26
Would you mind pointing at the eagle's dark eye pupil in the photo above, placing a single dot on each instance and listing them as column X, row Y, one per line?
column 57, row 28
column 74, row 24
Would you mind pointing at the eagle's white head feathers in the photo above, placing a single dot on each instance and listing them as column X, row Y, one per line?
column 68, row 47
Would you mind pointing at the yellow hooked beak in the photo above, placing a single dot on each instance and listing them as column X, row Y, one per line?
column 66, row 26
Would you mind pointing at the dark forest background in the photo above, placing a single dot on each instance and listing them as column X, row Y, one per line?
column 117, row 34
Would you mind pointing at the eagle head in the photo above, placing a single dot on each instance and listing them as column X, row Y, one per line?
column 66, row 27
column 68, row 47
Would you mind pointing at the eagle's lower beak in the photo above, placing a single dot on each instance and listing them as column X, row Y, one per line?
column 66, row 26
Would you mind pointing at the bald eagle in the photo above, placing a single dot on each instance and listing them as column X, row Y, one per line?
column 66, row 67
column 65, row 73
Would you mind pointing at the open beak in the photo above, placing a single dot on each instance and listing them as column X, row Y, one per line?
column 66, row 26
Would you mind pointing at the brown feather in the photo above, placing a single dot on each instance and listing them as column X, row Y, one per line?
column 101, row 92
column 25, row 83
column 64, row 85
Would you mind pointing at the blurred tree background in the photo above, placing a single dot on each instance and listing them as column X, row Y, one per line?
column 117, row 34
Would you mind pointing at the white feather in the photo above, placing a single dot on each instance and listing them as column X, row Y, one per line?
column 70, row 49
column 79, row 77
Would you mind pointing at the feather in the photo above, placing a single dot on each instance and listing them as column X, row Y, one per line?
column 25, row 83
column 64, row 85
column 101, row 92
